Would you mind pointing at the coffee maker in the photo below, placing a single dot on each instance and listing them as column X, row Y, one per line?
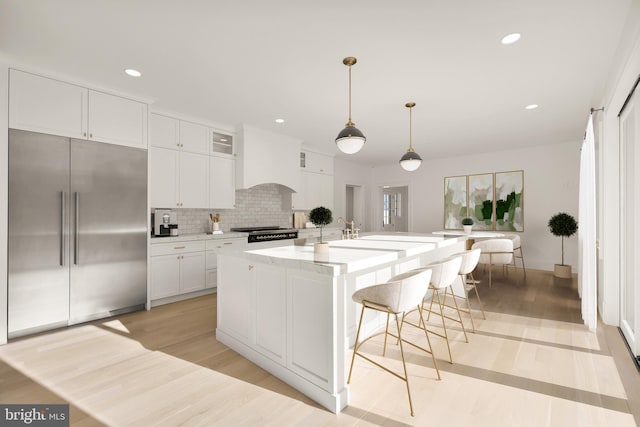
column 164, row 223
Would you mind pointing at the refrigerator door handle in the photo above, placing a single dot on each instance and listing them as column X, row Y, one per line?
column 63, row 197
column 76, row 255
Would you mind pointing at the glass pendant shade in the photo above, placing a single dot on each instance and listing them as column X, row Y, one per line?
column 350, row 140
column 410, row 161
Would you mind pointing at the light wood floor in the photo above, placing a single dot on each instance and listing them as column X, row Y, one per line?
column 530, row 363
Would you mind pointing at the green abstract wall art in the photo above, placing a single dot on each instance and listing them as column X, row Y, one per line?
column 493, row 200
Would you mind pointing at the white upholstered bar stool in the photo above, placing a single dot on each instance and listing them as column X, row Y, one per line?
column 517, row 251
column 394, row 298
column 495, row 252
column 443, row 275
column 470, row 260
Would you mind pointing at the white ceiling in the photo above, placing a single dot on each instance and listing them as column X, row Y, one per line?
column 233, row 62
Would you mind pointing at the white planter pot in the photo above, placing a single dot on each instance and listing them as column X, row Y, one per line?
column 562, row 271
column 321, row 248
column 467, row 228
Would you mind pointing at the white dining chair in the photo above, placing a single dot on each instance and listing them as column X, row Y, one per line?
column 495, row 252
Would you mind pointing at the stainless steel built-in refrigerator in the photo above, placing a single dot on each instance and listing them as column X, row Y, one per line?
column 77, row 231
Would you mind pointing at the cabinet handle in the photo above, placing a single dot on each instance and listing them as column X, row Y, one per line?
column 250, row 267
column 76, row 245
column 63, row 197
column 84, row 134
column 90, row 135
column 228, row 243
column 179, row 247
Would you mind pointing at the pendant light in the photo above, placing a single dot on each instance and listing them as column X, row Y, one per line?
column 411, row 160
column 350, row 140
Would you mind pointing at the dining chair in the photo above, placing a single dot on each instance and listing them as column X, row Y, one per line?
column 495, row 252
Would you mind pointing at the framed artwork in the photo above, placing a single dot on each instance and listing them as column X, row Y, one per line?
column 481, row 201
column 494, row 201
column 455, row 201
column 508, row 193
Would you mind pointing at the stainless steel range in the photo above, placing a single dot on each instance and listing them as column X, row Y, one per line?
column 267, row 233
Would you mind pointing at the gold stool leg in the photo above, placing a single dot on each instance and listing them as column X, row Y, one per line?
column 404, row 366
column 355, row 346
column 426, row 334
column 475, row 287
column 444, row 327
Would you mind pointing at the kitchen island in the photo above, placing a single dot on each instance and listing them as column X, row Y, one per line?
column 290, row 311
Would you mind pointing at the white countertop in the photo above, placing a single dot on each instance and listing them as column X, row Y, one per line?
column 337, row 261
column 346, row 256
column 472, row 235
column 198, row 236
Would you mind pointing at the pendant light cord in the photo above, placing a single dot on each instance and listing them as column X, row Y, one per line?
column 411, row 129
column 350, row 122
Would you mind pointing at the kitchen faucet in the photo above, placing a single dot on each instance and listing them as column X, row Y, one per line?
column 350, row 233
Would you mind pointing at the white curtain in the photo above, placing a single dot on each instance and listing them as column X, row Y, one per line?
column 587, row 276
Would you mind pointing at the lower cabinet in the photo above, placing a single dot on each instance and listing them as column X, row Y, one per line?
column 182, row 268
column 177, row 268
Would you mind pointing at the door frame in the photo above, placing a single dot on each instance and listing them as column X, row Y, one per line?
column 377, row 214
column 629, row 238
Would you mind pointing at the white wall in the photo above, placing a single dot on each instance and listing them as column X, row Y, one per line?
column 349, row 173
column 4, row 193
column 551, row 176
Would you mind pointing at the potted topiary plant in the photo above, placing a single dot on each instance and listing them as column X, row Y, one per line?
column 563, row 225
column 320, row 217
column 467, row 224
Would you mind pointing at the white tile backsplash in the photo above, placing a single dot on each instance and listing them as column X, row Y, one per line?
column 256, row 206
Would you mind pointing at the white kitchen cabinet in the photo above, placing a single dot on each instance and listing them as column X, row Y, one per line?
column 165, row 276
column 163, row 177
column 177, row 268
column 50, row 106
column 164, row 131
column 215, row 247
column 319, row 163
column 192, row 272
column 222, row 189
column 221, row 142
column 193, row 181
column 178, row 179
column 194, row 137
column 117, row 120
column 234, row 317
column 270, row 311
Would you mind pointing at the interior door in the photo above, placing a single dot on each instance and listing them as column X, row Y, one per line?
column 630, row 232
column 394, row 209
column 38, row 224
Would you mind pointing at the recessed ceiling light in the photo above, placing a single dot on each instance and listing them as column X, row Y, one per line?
column 133, row 73
column 279, row 120
column 531, row 107
column 511, row 38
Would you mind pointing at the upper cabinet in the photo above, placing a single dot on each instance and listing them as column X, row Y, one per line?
column 316, row 162
column 190, row 165
column 169, row 132
column 266, row 157
column 194, row 137
column 50, row 106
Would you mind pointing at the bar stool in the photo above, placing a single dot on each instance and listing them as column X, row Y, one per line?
column 443, row 275
column 394, row 297
column 495, row 251
column 469, row 262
